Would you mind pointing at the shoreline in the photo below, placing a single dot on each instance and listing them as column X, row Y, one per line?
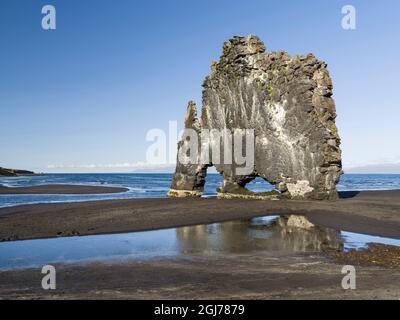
column 244, row 275
column 370, row 212
column 63, row 189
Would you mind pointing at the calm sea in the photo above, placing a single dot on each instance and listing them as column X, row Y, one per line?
column 157, row 185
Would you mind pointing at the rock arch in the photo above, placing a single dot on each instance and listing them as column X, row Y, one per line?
column 287, row 101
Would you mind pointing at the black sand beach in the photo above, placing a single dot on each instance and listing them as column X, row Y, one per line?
column 370, row 212
column 248, row 275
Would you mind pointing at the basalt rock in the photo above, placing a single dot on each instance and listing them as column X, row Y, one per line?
column 287, row 101
column 14, row 172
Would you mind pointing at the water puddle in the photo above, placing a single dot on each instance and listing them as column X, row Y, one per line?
column 265, row 234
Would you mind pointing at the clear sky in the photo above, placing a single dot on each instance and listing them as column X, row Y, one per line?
column 88, row 92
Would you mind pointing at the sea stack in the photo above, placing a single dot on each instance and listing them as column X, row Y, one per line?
column 287, row 102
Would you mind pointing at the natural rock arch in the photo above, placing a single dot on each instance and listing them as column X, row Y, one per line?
column 287, row 101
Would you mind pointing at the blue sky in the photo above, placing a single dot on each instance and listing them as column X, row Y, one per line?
column 88, row 92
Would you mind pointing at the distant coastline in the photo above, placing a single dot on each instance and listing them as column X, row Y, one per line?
column 389, row 168
column 5, row 172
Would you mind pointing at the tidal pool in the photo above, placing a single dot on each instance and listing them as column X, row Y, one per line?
column 266, row 234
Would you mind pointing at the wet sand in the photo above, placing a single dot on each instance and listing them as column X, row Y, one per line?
column 61, row 189
column 245, row 276
column 374, row 212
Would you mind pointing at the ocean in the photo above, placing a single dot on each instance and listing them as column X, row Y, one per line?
column 156, row 185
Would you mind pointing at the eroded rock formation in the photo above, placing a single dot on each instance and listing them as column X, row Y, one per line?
column 287, row 100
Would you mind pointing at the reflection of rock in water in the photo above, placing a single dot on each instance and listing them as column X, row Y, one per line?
column 299, row 234
column 297, row 222
column 286, row 234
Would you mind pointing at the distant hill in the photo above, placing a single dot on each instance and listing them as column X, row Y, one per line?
column 14, row 172
column 376, row 168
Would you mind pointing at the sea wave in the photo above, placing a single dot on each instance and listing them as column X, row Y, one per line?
column 157, row 186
